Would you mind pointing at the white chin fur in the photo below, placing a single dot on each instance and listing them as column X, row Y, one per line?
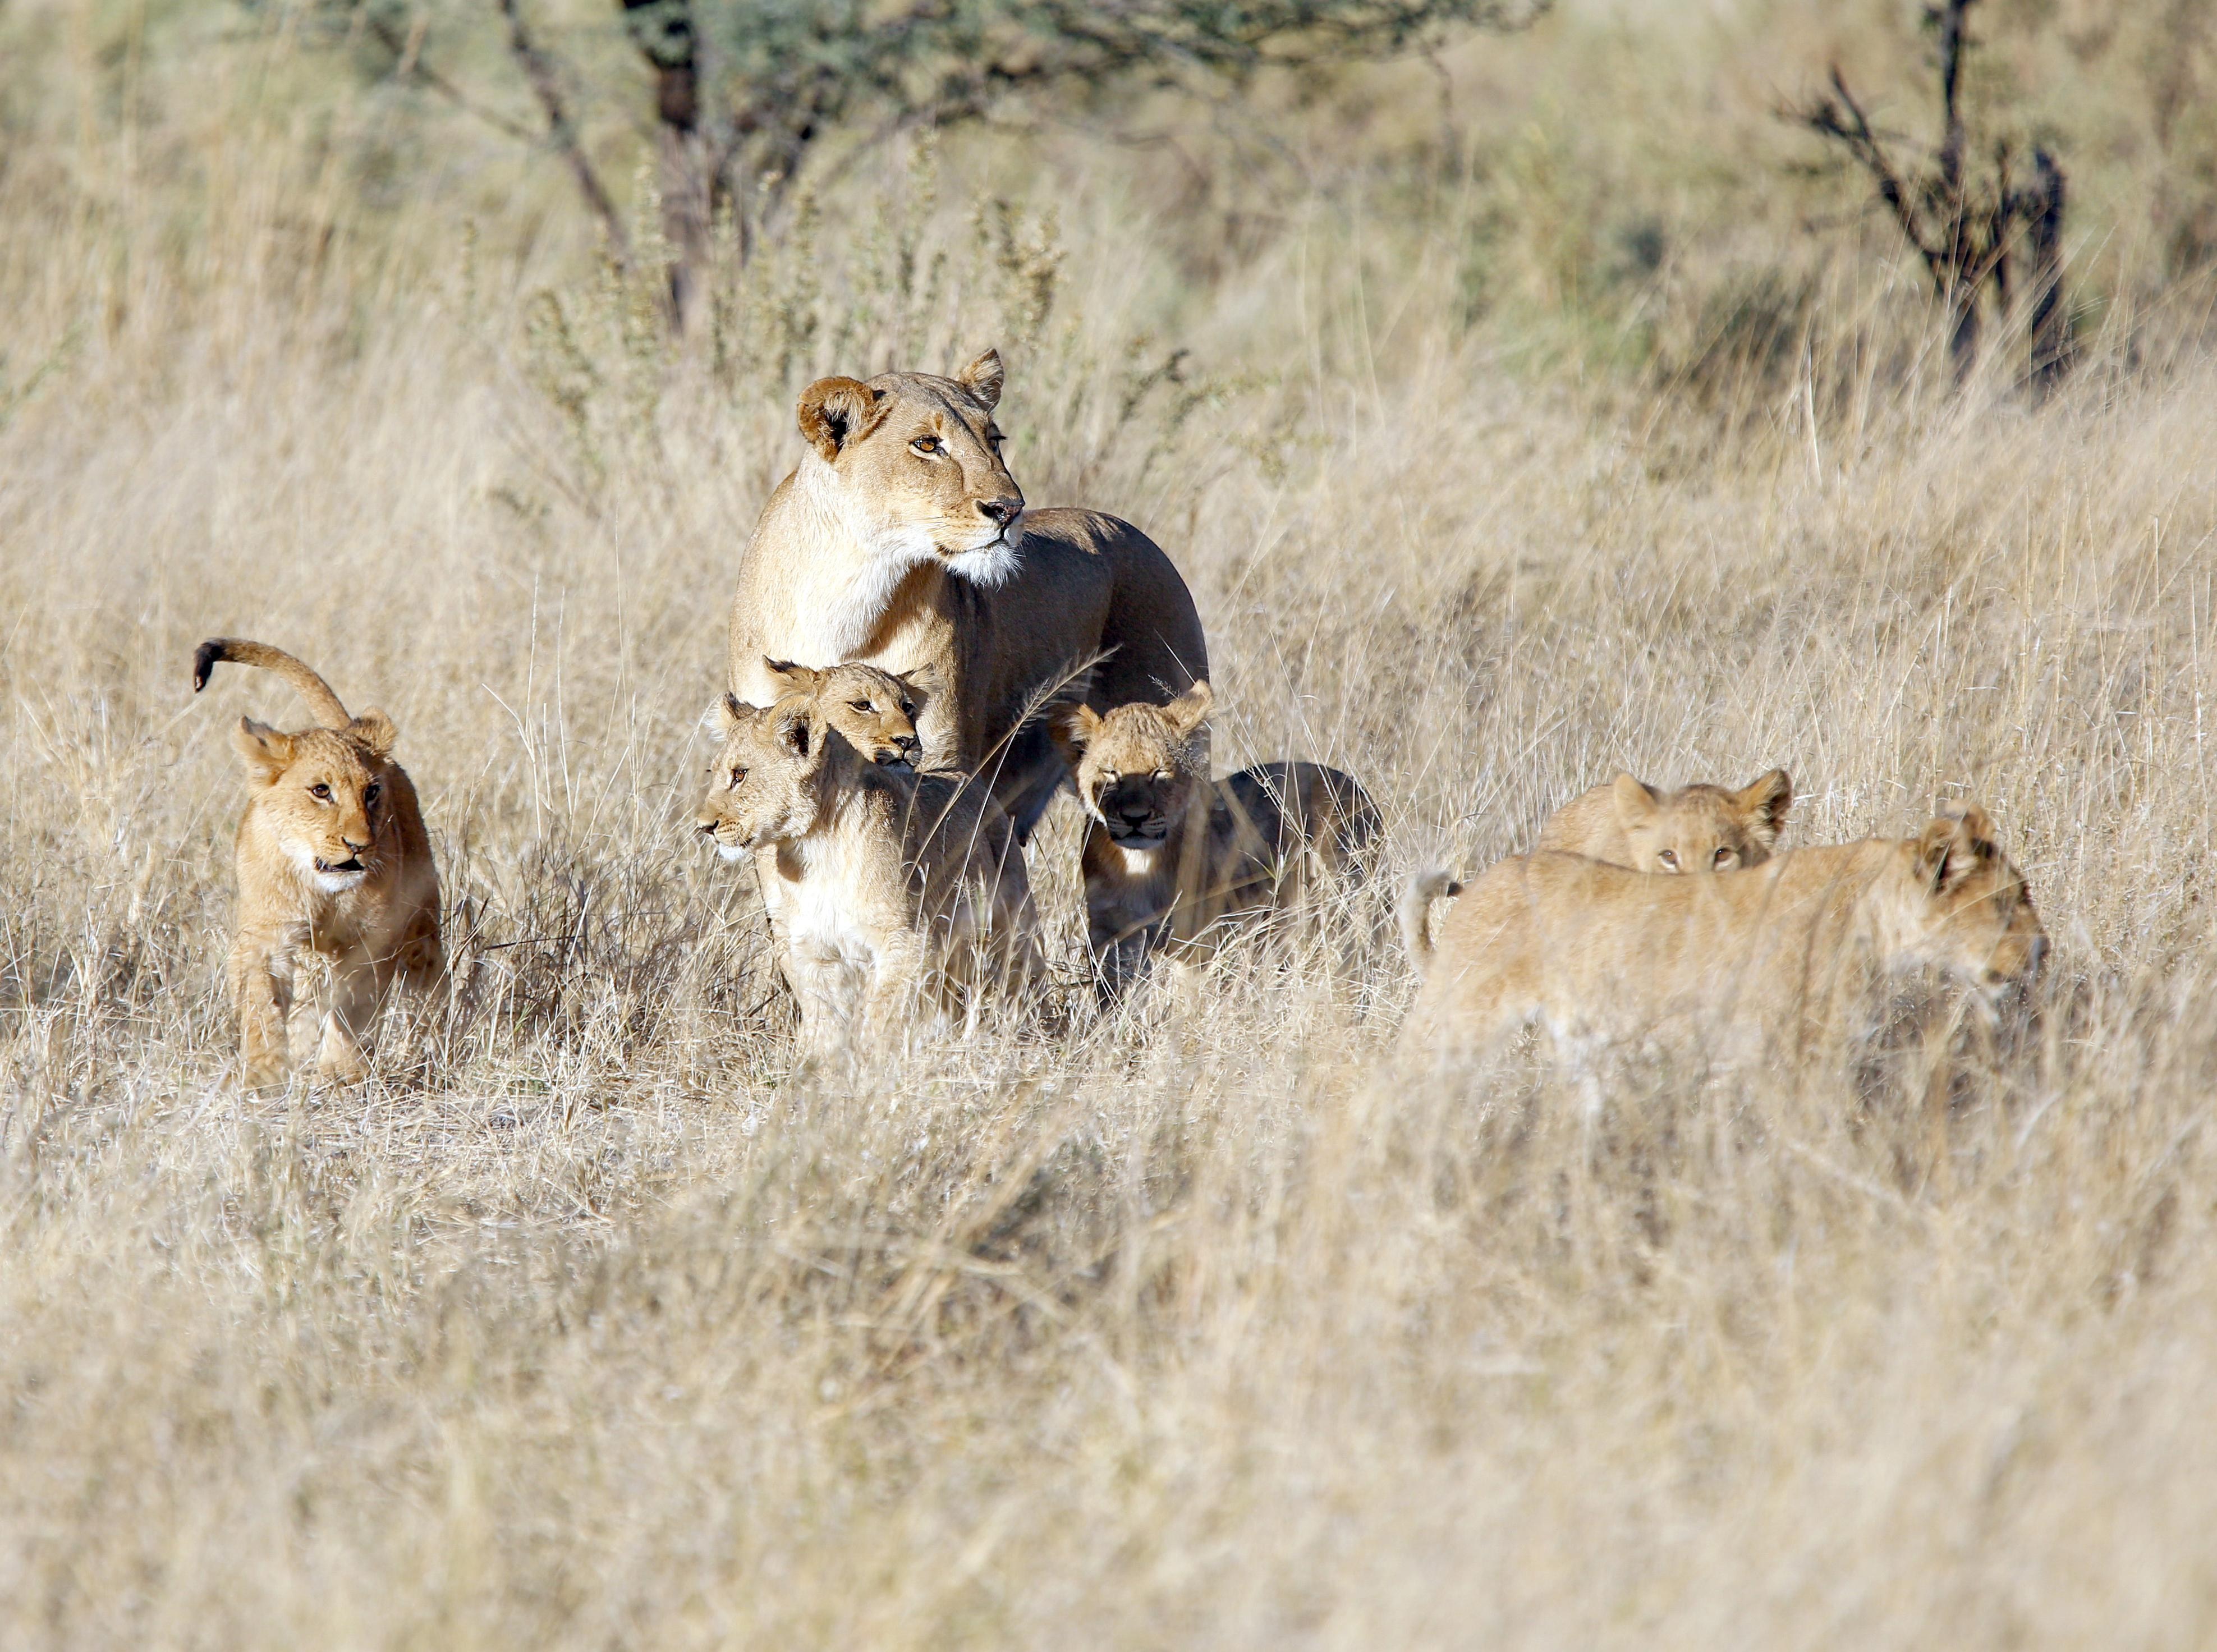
column 989, row 566
column 1137, row 862
column 734, row 852
column 338, row 882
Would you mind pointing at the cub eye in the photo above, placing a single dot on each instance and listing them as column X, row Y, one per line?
column 370, row 793
column 739, row 775
column 862, row 705
column 1163, row 775
column 926, row 444
column 1669, row 858
column 908, row 708
column 1725, row 857
column 1110, row 777
column 993, row 435
column 320, row 791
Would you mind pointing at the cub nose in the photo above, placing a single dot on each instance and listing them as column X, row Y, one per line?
column 356, row 847
column 1001, row 513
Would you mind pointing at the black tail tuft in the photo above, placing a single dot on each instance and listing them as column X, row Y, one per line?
column 204, row 661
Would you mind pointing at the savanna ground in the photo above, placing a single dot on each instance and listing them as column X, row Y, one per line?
column 1554, row 425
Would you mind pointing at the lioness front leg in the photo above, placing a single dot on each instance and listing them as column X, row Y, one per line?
column 261, row 1000
column 355, row 994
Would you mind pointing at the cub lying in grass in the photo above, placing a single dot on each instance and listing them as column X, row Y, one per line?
column 1779, row 955
column 1697, row 828
column 1175, row 860
column 887, row 891
column 332, row 859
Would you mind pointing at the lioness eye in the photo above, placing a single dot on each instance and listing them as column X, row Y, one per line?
column 320, row 790
column 926, row 444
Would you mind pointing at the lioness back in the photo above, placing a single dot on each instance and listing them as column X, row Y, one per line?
column 1593, row 949
column 1697, row 828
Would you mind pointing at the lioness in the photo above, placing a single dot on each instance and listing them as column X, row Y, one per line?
column 1174, row 859
column 884, row 888
column 332, row 858
column 902, row 540
column 1697, row 828
column 1781, row 951
column 875, row 709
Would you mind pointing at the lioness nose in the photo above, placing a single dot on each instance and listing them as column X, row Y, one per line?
column 1003, row 512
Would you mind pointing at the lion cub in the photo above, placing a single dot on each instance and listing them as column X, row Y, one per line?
column 1782, row 951
column 884, row 888
column 1697, row 828
column 1174, row 859
column 875, row 709
column 332, row 859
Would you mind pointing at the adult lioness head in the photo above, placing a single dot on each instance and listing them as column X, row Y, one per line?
column 912, row 463
column 1141, row 769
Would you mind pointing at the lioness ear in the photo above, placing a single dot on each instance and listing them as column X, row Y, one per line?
column 376, row 733
column 802, row 678
column 734, row 714
column 1952, row 846
column 1635, row 800
column 982, row 379
column 1190, row 709
column 268, row 751
column 1766, row 801
column 1073, row 729
column 835, row 411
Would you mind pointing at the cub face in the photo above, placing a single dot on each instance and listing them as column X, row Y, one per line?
column 875, row 710
column 762, row 786
column 1141, row 769
column 917, row 462
column 324, row 793
column 1702, row 828
column 1978, row 920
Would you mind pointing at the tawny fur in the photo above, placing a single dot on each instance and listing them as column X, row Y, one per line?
column 1175, row 860
column 902, row 540
column 875, row 709
column 1736, row 965
column 332, row 859
column 1697, row 828
column 888, row 893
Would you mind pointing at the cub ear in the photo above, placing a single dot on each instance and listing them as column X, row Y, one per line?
column 267, row 751
column 835, row 411
column 375, row 732
column 1190, row 709
column 734, row 714
column 1073, row 729
column 801, row 679
column 1635, row 800
column 982, row 379
column 1765, row 800
column 794, row 735
column 1953, row 843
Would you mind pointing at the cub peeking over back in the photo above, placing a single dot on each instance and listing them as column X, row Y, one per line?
column 1697, row 828
column 1173, row 859
column 875, row 709
column 332, row 859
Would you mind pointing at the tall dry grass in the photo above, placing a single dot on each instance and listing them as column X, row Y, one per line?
column 590, row 1323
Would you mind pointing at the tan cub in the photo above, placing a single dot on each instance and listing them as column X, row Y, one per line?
column 1697, row 828
column 332, row 859
column 1174, row 859
column 1781, row 952
column 888, row 892
column 876, row 710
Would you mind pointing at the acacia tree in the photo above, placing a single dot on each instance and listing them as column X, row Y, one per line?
column 1969, row 230
column 746, row 92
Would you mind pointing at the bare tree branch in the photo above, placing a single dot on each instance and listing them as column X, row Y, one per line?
column 542, row 71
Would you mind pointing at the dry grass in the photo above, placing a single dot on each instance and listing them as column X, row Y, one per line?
column 588, row 1324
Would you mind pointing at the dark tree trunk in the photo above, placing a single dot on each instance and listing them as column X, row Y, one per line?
column 2052, row 343
column 663, row 32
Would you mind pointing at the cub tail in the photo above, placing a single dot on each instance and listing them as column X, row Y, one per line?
column 322, row 704
column 1424, row 889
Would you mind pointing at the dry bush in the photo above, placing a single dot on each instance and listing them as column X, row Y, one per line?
column 591, row 1322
